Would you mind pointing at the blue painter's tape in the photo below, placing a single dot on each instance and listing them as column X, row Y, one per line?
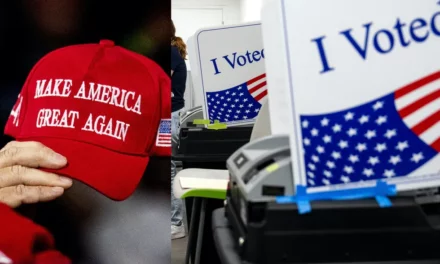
column 301, row 191
column 285, row 199
column 303, row 202
column 303, row 199
column 383, row 201
column 304, row 206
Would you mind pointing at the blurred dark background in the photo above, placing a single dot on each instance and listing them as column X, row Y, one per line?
column 88, row 227
column 31, row 28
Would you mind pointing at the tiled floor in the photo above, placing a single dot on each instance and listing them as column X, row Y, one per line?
column 178, row 250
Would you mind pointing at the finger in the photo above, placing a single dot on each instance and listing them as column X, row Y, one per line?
column 24, row 144
column 14, row 196
column 16, row 175
column 30, row 154
column 21, row 144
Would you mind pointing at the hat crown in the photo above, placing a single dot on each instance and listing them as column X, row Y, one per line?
column 94, row 93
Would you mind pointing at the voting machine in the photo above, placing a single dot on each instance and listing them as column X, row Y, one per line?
column 335, row 231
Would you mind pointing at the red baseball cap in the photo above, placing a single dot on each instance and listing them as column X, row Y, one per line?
column 103, row 107
column 22, row 241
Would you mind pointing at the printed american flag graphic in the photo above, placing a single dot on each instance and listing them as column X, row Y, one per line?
column 239, row 103
column 163, row 138
column 385, row 138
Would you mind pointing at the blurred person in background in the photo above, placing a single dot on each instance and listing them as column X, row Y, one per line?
column 178, row 83
column 88, row 227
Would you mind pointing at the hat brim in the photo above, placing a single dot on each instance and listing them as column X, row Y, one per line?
column 116, row 175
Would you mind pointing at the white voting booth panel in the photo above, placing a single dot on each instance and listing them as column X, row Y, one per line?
column 356, row 84
column 228, row 71
column 195, row 73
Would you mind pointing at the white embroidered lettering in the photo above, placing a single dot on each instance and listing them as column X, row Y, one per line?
column 121, row 129
column 47, row 91
column 39, row 89
column 105, row 95
column 129, row 94
column 108, row 127
column 94, row 92
column 115, row 93
column 81, row 94
column 53, row 88
column 111, row 95
column 121, row 101
column 16, row 112
column 66, row 88
column 56, row 118
column 56, row 87
column 137, row 106
column 99, row 123
column 89, row 124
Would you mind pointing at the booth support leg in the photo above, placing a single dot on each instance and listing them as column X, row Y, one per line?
column 199, row 242
column 192, row 231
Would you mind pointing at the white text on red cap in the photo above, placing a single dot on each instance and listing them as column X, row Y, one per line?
column 100, row 124
column 90, row 91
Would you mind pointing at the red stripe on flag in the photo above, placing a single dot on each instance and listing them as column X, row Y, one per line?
column 419, row 104
column 257, row 87
column 261, row 95
column 427, row 123
column 251, row 81
column 415, row 85
column 436, row 145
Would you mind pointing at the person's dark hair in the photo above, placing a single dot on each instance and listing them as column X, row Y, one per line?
column 178, row 42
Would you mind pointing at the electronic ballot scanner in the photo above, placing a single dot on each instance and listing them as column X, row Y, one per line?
column 346, row 231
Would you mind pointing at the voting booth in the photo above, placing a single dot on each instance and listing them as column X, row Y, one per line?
column 230, row 88
column 229, row 83
column 352, row 170
column 229, row 72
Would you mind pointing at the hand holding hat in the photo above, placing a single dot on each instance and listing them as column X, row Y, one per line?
column 103, row 107
column 21, row 181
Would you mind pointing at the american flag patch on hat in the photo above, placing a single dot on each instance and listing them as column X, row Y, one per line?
column 163, row 138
